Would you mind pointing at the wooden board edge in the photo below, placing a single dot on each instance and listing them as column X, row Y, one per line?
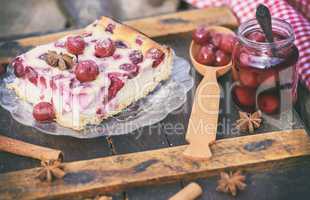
column 155, row 26
column 115, row 173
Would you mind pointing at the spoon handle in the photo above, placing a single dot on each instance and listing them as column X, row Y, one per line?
column 202, row 127
column 263, row 17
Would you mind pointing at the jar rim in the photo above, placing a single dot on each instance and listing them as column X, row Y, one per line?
column 276, row 25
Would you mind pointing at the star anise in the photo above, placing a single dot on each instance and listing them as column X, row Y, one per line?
column 230, row 183
column 249, row 122
column 62, row 61
column 50, row 169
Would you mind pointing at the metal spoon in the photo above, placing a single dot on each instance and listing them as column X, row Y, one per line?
column 263, row 17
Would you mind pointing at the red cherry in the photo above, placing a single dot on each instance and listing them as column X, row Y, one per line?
column 245, row 96
column 157, row 55
column 115, row 86
column 19, row 69
column 132, row 69
column 278, row 36
column 211, row 47
column 201, row 35
column 256, row 36
column 268, row 103
column 75, row 45
column 216, row 39
column 31, row 75
column 268, row 77
column 245, row 60
column 136, row 57
column 104, row 48
column 248, row 78
column 205, row 56
column 43, row 112
column 227, row 43
column 86, row 70
column 221, row 58
column 42, row 82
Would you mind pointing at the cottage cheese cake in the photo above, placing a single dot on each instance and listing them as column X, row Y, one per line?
column 86, row 78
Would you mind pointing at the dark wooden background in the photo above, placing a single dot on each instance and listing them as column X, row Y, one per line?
column 286, row 182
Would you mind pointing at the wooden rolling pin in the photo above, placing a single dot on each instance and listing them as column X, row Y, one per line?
column 29, row 150
column 190, row 192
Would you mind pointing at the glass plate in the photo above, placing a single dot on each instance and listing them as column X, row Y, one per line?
column 167, row 97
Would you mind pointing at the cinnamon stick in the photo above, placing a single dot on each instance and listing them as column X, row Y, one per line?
column 190, row 192
column 29, row 150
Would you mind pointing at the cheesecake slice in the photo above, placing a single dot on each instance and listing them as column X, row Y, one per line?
column 86, row 78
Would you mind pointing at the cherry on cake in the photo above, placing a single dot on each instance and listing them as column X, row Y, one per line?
column 85, row 78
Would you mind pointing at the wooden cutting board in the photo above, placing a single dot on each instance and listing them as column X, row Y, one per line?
column 108, row 174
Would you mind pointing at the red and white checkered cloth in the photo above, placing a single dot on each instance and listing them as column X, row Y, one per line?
column 245, row 9
column 302, row 6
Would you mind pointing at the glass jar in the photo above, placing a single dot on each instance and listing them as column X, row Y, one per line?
column 264, row 74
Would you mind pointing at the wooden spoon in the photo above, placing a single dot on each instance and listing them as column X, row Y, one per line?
column 202, row 127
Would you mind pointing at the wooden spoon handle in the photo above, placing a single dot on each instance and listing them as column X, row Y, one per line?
column 203, row 121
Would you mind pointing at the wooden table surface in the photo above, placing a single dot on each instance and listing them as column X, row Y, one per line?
column 285, row 182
